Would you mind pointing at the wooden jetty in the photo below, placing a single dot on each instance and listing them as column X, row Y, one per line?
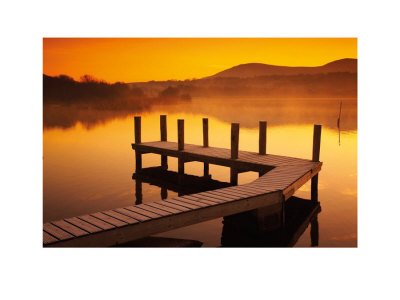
column 280, row 177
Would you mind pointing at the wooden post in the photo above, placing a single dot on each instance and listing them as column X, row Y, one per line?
column 205, row 132
column 164, row 193
column 315, row 157
column 138, row 191
column 163, row 127
column 181, row 146
column 205, row 144
column 138, row 140
column 163, row 132
column 234, row 151
column 262, row 147
column 181, row 135
column 316, row 142
column 234, row 176
column 235, row 140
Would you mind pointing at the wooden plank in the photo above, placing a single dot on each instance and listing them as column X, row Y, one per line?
column 202, row 198
column 162, row 207
column 120, row 217
column 222, row 197
column 48, row 239
column 56, row 232
column 96, row 222
column 154, row 210
column 72, row 229
column 136, row 231
column 132, row 214
column 262, row 139
column 234, row 140
column 181, row 135
column 176, row 201
column 177, row 207
column 213, row 196
column 239, row 192
column 109, row 219
column 84, row 225
column 194, row 202
column 143, row 212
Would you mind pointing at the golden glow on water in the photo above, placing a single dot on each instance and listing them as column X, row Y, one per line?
column 88, row 170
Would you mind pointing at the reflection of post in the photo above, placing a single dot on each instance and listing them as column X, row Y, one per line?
column 314, row 232
column 138, row 140
column 163, row 131
column 164, row 193
column 234, row 151
column 205, row 144
column 315, row 157
column 181, row 146
column 138, row 191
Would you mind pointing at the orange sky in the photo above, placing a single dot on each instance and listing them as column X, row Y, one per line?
column 141, row 59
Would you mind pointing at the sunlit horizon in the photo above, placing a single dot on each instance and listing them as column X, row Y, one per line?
column 160, row 59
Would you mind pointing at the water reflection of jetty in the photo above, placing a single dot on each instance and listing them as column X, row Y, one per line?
column 256, row 228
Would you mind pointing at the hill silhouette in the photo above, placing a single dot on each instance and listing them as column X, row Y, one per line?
column 257, row 69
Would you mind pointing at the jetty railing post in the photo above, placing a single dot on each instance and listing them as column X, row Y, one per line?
column 163, row 132
column 205, row 144
column 138, row 191
column 138, row 140
column 234, row 151
column 315, row 157
column 262, row 140
column 181, row 146
column 164, row 193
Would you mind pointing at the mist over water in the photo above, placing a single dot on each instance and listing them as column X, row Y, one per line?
column 88, row 161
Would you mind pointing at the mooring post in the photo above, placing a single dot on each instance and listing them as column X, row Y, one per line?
column 163, row 132
column 181, row 146
column 205, row 144
column 234, row 151
column 138, row 140
column 262, row 140
column 315, row 157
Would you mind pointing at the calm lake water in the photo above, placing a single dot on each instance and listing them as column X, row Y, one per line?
column 88, row 160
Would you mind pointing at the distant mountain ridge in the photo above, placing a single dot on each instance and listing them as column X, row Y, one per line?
column 258, row 69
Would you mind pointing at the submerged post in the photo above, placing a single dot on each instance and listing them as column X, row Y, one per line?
column 315, row 158
column 234, row 151
column 163, row 133
column 262, row 140
column 205, row 144
column 138, row 140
